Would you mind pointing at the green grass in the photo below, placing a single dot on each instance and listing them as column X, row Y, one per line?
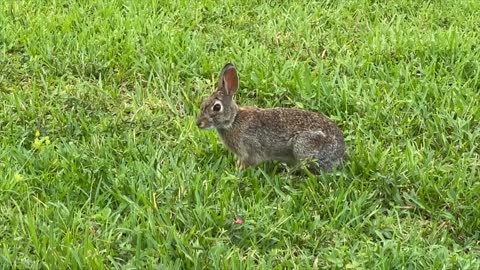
column 102, row 165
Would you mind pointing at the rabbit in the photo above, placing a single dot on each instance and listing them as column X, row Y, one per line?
column 255, row 135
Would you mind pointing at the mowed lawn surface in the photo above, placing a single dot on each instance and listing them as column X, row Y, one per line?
column 102, row 165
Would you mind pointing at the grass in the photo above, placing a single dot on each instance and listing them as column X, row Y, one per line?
column 102, row 165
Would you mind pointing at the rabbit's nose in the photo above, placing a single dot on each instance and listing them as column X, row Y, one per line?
column 200, row 123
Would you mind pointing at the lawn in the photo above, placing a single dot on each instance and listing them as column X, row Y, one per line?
column 102, row 165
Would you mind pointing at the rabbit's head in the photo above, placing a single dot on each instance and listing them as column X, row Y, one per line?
column 219, row 109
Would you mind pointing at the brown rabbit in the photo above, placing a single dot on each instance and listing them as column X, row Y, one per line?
column 284, row 134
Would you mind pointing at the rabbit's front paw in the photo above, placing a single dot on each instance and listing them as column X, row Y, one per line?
column 243, row 164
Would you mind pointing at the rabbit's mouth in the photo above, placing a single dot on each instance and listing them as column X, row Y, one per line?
column 204, row 124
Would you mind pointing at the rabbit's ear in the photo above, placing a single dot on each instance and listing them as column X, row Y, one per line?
column 228, row 82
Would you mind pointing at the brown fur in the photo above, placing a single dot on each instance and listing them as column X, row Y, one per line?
column 256, row 135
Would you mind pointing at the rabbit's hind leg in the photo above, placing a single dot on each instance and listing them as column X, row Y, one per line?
column 319, row 146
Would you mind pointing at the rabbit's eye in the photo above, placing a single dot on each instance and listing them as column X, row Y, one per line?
column 217, row 107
